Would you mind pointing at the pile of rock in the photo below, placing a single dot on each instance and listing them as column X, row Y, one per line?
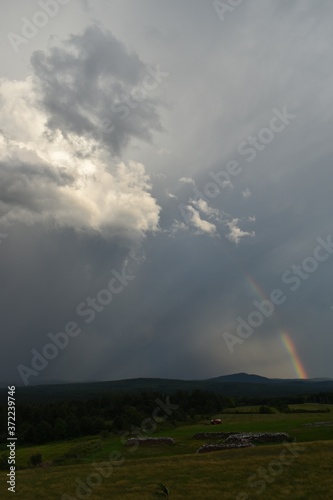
column 245, row 440
column 259, row 437
column 319, row 424
column 206, row 448
column 150, row 441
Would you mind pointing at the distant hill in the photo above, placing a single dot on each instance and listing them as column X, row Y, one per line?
column 320, row 380
column 235, row 385
column 242, row 377
column 250, row 378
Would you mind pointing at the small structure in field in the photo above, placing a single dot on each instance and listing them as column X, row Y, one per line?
column 206, row 448
column 245, row 440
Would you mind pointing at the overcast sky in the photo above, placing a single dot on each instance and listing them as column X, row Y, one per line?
column 187, row 145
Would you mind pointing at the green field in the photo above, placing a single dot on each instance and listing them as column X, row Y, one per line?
column 231, row 474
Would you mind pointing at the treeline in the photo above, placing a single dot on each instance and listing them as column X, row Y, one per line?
column 39, row 423
column 115, row 412
column 281, row 403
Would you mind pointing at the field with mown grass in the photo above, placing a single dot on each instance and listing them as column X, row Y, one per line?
column 219, row 475
column 230, row 474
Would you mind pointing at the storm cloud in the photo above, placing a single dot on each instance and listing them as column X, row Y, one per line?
column 196, row 152
column 58, row 170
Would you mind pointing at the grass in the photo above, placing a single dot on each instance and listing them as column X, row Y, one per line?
column 87, row 449
column 219, row 475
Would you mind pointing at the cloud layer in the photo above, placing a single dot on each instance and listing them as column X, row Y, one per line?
column 54, row 168
column 153, row 126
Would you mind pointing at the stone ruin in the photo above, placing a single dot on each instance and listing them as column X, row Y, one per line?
column 206, row 448
column 244, row 440
column 327, row 423
column 259, row 437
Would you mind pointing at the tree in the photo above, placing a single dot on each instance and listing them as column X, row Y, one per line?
column 60, row 429
column 43, row 432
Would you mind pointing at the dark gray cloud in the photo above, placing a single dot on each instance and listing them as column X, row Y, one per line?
column 93, row 85
column 29, row 187
column 89, row 97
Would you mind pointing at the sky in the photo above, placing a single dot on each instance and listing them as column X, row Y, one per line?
column 165, row 189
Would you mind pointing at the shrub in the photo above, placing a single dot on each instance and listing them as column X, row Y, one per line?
column 35, row 459
column 161, row 491
column 265, row 409
column 105, row 434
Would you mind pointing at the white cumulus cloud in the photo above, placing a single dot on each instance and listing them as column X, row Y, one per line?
column 66, row 180
column 236, row 233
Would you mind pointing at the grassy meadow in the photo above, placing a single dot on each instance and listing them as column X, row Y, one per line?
column 228, row 474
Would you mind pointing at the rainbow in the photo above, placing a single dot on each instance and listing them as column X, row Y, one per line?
column 285, row 337
column 255, row 287
column 291, row 349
